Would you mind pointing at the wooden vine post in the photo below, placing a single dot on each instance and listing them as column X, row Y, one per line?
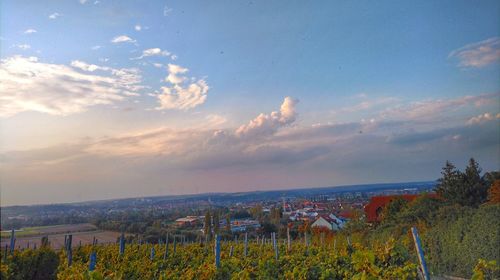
column 420, row 253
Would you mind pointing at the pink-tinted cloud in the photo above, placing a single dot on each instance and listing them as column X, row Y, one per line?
column 478, row 54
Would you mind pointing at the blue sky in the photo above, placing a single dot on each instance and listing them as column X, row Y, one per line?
column 191, row 96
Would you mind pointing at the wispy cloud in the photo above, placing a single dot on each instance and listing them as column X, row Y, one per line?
column 54, row 15
column 478, row 54
column 482, row 118
column 154, row 52
column 24, row 47
column 30, row 31
column 56, row 89
column 430, row 109
column 122, row 39
column 138, row 27
column 366, row 104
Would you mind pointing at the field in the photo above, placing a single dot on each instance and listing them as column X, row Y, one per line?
column 82, row 234
column 44, row 230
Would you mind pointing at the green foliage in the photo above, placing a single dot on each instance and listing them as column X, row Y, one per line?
column 485, row 270
column 356, row 224
column 392, row 209
column 462, row 236
column 216, row 219
column 207, row 224
column 32, row 264
column 467, row 188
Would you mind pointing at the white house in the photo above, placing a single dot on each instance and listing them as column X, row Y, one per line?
column 327, row 222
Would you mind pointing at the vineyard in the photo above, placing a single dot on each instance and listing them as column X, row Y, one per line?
column 334, row 258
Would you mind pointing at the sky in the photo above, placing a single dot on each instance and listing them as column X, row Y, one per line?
column 110, row 99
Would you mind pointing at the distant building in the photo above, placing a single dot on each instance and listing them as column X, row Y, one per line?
column 328, row 222
column 244, row 225
column 187, row 221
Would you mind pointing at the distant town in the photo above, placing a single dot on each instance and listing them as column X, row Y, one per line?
column 150, row 219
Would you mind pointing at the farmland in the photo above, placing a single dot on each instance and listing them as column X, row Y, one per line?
column 82, row 234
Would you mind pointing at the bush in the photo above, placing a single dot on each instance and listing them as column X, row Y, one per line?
column 34, row 264
column 461, row 237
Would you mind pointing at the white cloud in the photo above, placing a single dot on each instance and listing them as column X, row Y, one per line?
column 137, row 27
column 182, row 93
column 30, row 31
column 82, row 1
column 267, row 124
column 478, row 54
column 158, row 65
column 122, row 39
column 183, row 97
column 174, row 72
column 56, row 89
column 482, row 118
column 94, row 48
column 54, row 15
column 156, row 52
column 87, row 67
column 24, row 47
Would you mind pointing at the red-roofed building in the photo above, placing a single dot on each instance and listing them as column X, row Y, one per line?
column 374, row 208
column 346, row 214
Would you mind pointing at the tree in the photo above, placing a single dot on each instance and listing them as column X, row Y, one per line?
column 216, row 222
column 208, row 224
column 228, row 222
column 448, row 183
column 466, row 189
column 392, row 209
column 475, row 186
column 257, row 212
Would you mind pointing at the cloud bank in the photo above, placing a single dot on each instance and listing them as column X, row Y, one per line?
column 56, row 89
column 267, row 152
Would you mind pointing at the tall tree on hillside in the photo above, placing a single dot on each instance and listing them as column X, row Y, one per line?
column 475, row 186
column 448, row 183
column 228, row 222
column 208, row 224
column 467, row 189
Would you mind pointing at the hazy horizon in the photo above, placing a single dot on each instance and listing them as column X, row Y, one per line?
column 207, row 193
column 104, row 99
